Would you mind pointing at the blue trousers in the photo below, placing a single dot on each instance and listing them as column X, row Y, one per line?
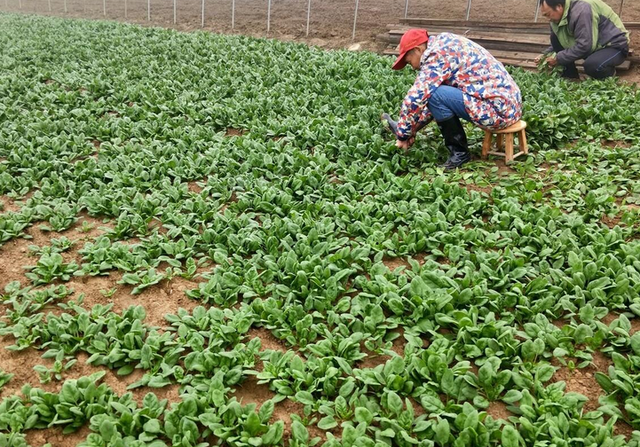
column 447, row 102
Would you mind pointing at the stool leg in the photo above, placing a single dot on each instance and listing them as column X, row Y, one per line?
column 508, row 150
column 522, row 137
column 499, row 141
column 486, row 144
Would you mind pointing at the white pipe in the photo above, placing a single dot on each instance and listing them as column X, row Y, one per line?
column 148, row 10
column 268, row 17
column 537, row 10
column 355, row 20
column 104, row 8
column 308, row 16
column 202, row 24
column 174, row 12
column 233, row 14
column 468, row 10
column 406, row 8
column 125, row 9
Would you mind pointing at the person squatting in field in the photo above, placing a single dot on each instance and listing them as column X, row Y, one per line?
column 585, row 29
column 457, row 78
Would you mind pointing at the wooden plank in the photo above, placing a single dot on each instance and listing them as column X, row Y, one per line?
column 511, row 46
column 467, row 23
column 497, row 42
column 506, row 46
column 399, row 31
column 414, row 21
column 459, row 29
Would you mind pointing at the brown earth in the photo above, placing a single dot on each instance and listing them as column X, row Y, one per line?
column 583, row 380
column 498, row 410
column 54, row 436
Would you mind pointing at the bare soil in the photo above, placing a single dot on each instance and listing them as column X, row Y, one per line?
column 54, row 436
column 498, row 410
column 583, row 380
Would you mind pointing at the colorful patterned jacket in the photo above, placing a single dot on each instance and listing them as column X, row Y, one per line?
column 491, row 96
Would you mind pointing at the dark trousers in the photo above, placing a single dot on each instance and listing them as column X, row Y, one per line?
column 599, row 65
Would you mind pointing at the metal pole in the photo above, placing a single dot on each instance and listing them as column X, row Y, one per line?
column 468, row 10
column 49, row 5
column 268, row 16
column 537, row 10
column 355, row 20
column 125, row 9
column 406, row 8
column 308, row 16
column 621, row 5
column 148, row 10
column 174, row 12
column 65, row 6
column 20, row 3
column 104, row 8
column 233, row 14
column 202, row 24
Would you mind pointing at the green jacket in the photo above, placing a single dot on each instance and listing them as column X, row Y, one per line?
column 587, row 26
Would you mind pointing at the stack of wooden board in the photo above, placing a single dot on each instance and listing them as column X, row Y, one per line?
column 512, row 43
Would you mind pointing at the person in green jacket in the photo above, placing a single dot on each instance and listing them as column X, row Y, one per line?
column 585, row 29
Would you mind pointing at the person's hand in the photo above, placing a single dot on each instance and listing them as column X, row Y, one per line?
column 552, row 61
column 405, row 144
column 539, row 58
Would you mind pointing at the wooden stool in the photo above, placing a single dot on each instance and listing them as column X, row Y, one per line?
column 506, row 136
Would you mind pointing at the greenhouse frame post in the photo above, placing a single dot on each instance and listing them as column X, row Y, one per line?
column 125, row 9
column 468, row 9
column 621, row 6
column 104, row 8
column 49, row 4
column 202, row 24
column 65, row 7
column 20, row 3
column 268, row 16
column 355, row 20
column 148, row 10
column 406, row 8
column 537, row 10
column 233, row 14
column 175, row 8
column 308, row 16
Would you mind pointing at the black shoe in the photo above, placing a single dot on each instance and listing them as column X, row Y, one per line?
column 389, row 124
column 455, row 139
column 570, row 72
column 456, row 160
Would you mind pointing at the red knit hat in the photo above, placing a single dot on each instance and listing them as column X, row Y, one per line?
column 409, row 41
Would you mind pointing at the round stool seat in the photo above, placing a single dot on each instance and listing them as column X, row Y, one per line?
column 505, row 141
column 515, row 127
